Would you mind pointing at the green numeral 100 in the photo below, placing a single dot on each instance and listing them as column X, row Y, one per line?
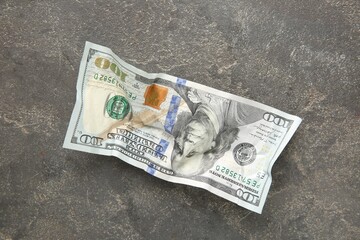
column 104, row 63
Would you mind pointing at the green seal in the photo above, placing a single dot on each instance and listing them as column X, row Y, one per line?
column 118, row 107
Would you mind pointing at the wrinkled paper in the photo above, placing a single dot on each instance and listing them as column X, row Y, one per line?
column 177, row 130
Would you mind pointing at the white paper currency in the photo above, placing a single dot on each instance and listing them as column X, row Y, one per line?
column 177, row 130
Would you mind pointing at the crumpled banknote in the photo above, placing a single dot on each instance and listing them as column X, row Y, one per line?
column 177, row 130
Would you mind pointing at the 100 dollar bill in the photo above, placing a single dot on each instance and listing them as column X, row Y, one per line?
column 177, row 130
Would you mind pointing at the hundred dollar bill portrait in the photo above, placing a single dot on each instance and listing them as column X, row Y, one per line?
column 208, row 133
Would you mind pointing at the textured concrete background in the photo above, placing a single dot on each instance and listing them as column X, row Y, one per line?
column 296, row 55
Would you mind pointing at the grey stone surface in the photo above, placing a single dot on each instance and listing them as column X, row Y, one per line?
column 296, row 55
